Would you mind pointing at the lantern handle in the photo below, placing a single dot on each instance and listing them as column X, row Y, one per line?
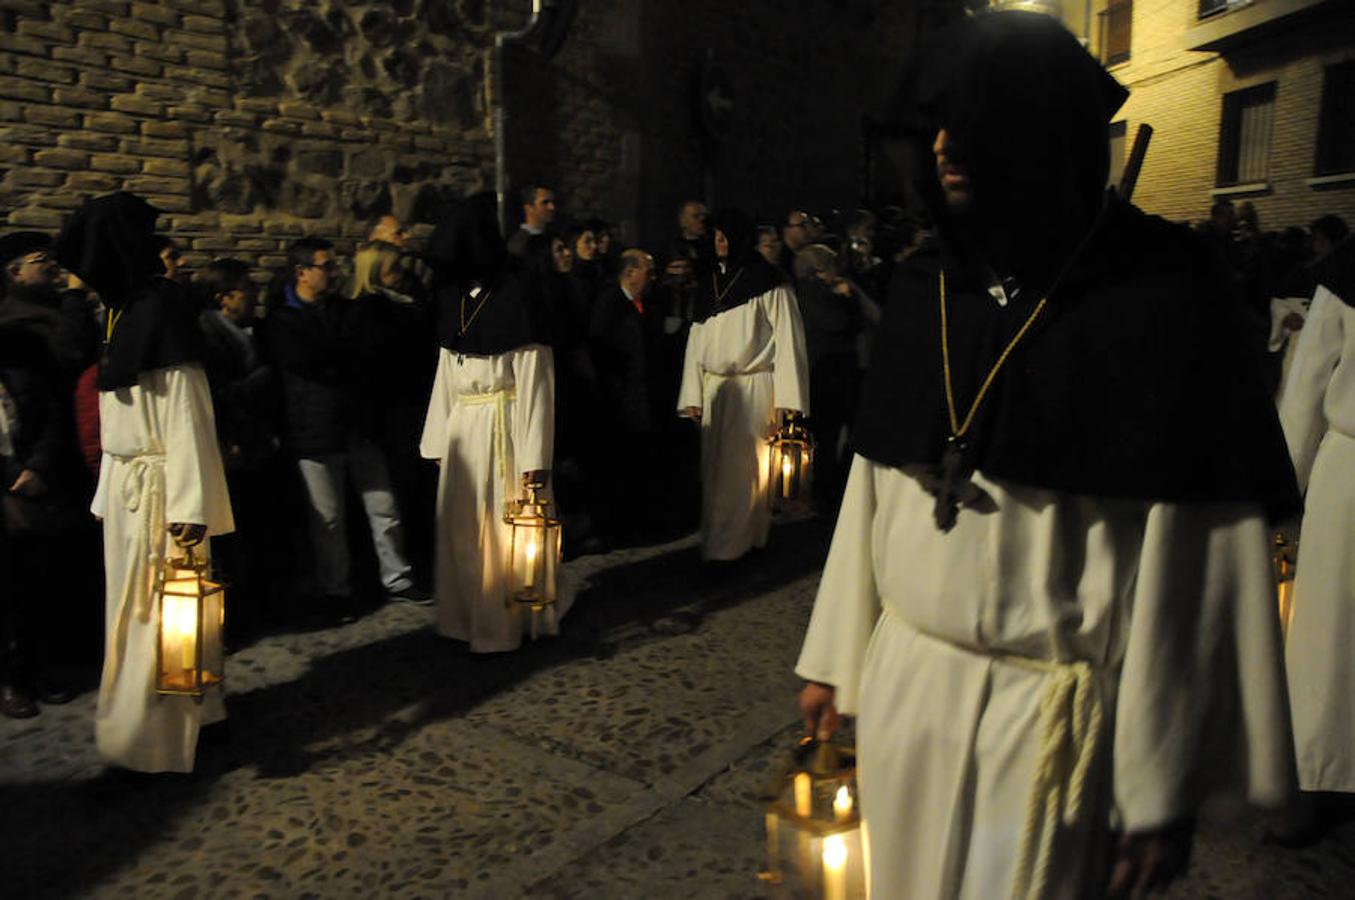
column 187, row 534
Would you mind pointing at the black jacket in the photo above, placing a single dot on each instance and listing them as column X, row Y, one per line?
column 620, row 342
column 306, row 343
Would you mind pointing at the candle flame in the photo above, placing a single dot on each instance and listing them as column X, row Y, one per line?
column 181, row 619
column 834, row 853
column 842, row 802
column 785, row 467
column 531, row 551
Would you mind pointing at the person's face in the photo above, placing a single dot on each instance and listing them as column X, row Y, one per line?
column 238, row 303
column 721, row 244
column 562, row 255
column 314, row 279
column 692, row 220
column 541, row 211
column 951, row 172
column 640, row 279
column 171, row 258
column 586, row 247
column 769, row 245
column 796, row 233
column 389, row 229
column 604, row 242
column 36, row 269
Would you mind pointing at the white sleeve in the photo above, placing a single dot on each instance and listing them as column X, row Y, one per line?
column 433, row 441
column 690, row 393
column 534, row 409
column 848, row 603
column 1305, row 389
column 1202, row 688
column 790, row 375
column 99, row 506
column 195, row 480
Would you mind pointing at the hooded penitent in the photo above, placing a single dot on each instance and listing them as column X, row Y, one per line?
column 1136, row 380
column 152, row 322
column 742, row 275
column 466, row 253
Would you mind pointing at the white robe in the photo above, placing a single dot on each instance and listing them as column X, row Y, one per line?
column 740, row 367
column 490, row 419
column 1317, row 410
column 941, row 645
column 161, row 464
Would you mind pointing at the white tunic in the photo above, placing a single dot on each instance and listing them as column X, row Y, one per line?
column 490, row 419
column 1317, row 410
column 947, row 645
column 161, row 464
column 740, row 367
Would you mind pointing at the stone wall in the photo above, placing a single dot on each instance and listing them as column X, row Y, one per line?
column 252, row 122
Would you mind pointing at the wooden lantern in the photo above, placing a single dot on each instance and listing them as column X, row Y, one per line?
column 192, row 614
column 533, row 550
column 813, row 824
column 790, row 466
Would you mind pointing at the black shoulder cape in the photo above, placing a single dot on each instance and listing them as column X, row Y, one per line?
column 745, row 276
column 155, row 328
column 1135, row 382
column 1336, row 271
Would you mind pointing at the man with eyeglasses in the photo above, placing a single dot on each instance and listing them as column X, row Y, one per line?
column 319, row 351
column 801, row 230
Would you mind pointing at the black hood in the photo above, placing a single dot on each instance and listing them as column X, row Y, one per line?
column 1027, row 111
column 746, row 274
column 110, row 243
column 466, row 247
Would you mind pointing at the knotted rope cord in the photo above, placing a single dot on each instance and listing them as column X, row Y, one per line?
column 500, row 400
column 1070, row 732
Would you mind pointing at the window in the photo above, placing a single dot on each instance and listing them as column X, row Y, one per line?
column 1336, row 124
column 1244, row 139
column 1117, row 151
column 1212, row 7
column 1117, row 20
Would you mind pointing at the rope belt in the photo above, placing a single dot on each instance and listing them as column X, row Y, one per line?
column 499, row 400
column 1070, row 731
column 709, row 379
column 144, row 486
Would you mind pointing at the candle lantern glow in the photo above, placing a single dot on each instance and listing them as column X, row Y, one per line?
column 1284, row 556
column 813, row 824
column 790, row 466
column 533, row 550
column 192, row 607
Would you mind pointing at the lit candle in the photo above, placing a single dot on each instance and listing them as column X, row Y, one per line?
column 785, row 474
column 834, row 867
column 804, row 797
column 530, row 553
column 181, row 621
column 842, row 804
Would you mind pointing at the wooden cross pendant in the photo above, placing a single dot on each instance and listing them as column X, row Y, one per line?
column 951, row 486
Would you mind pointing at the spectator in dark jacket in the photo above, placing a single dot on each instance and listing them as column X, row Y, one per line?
column 312, row 347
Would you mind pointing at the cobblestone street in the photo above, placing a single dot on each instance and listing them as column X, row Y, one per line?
column 376, row 759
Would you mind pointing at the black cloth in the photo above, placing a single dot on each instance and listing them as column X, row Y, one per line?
column 832, row 322
column 244, row 392
column 1136, row 382
column 742, row 276
column 1336, row 271
column 155, row 327
column 620, row 341
column 465, row 252
column 306, row 343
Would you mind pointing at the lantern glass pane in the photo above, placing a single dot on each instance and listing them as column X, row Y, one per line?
column 179, row 616
column 213, row 624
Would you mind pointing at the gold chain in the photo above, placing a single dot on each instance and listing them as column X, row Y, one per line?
column 957, row 428
column 715, row 286
column 113, row 315
column 465, row 323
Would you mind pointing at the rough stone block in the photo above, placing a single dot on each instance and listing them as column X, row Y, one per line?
column 257, row 105
column 167, row 93
column 94, row 182
column 134, row 28
column 297, row 109
column 171, row 203
column 104, row 41
column 236, row 118
column 174, row 167
column 43, row 70
column 131, row 103
column 241, row 226
column 214, row 8
column 319, row 162
column 83, row 140
column 62, row 158
column 358, row 134
column 112, row 124
column 203, row 24
column 47, row 31
column 85, row 19
column 212, row 244
column 319, row 129
column 162, row 52
column 283, row 228
column 190, row 113
column 270, row 262
column 152, row 147
column 341, row 117
column 107, row 7
column 163, row 129
column 206, row 59
column 199, row 76
column 62, row 199
column 23, row 89
column 156, row 13
column 83, row 55
column 137, row 65
column 157, row 184
column 29, row 135
column 11, row 155
column 52, row 116
column 256, row 245
column 78, row 96
column 105, row 81
column 281, row 126
column 11, row 111
column 218, row 43
column 27, row 178
column 36, row 218
column 212, row 97
column 116, row 163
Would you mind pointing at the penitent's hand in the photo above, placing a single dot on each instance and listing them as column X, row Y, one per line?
column 187, row 534
column 816, row 705
column 693, row 413
column 1150, row 860
column 28, row 484
column 538, row 476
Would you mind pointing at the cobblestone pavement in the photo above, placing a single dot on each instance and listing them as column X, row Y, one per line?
column 378, row 760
